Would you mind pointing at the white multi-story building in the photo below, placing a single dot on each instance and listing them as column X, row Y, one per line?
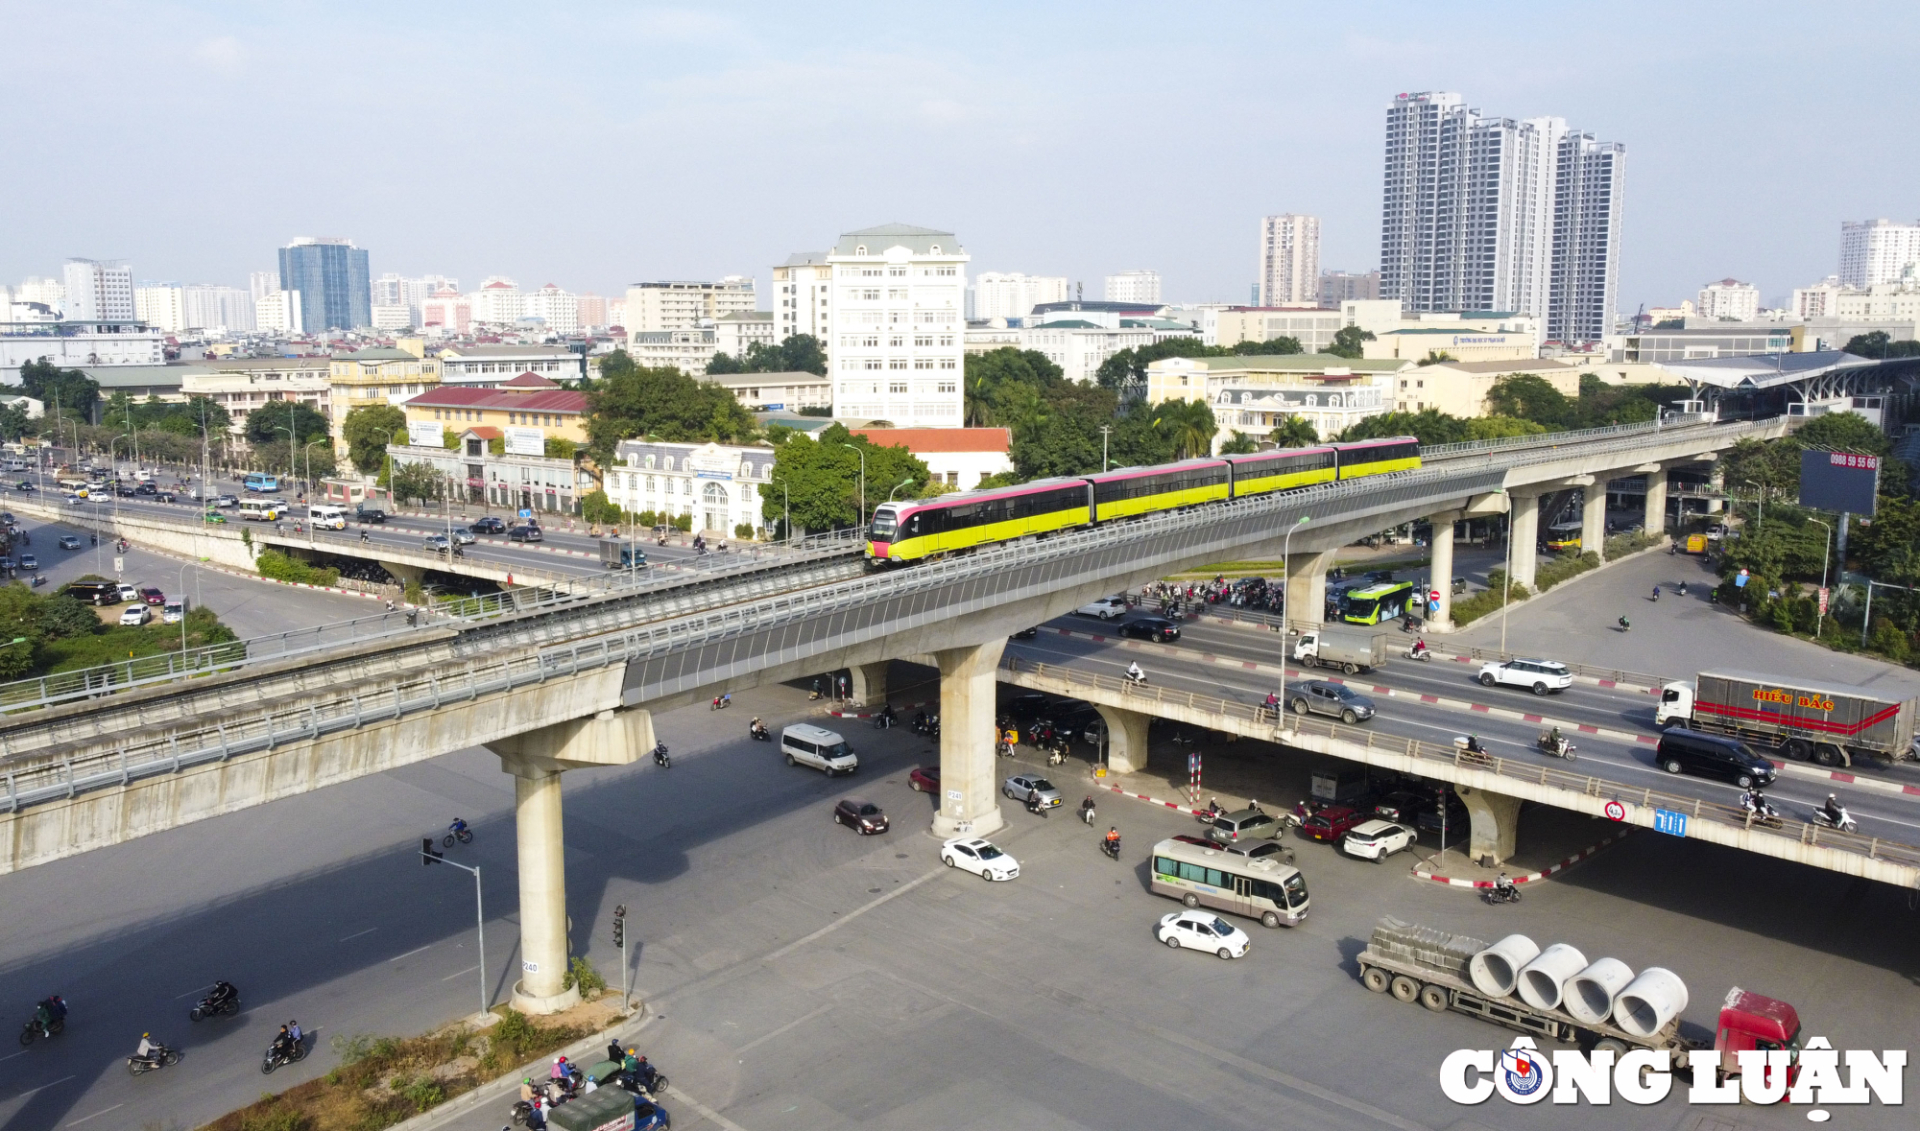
column 392, row 317
column 1507, row 257
column 1816, row 301
column 1138, row 285
column 161, row 305
column 1589, row 191
column 1000, row 294
column 489, row 366
column 260, row 284
column 278, row 312
column 99, row 291
column 215, row 309
column 1877, row 251
column 718, row 485
column 734, row 333
column 1289, row 259
column 803, row 296
column 51, row 293
column 1729, row 300
column 689, row 351
column 896, row 313
column 616, row 313
column 1080, row 347
column 559, row 309
column 498, row 302
column 656, row 307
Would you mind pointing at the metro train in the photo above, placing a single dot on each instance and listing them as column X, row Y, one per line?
column 905, row 532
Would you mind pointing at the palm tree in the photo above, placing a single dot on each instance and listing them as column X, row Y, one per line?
column 1190, row 425
column 1294, row 432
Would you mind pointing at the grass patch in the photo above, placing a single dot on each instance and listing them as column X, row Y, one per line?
column 280, row 567
column 1470, row 609
column 381, row 1081
column 1564, row 567
column 1632, row 542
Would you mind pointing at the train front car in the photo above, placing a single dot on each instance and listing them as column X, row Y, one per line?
column 909, row 532
column 881, row 534
column 1378, row 457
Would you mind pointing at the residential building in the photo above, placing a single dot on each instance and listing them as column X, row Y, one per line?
column 1109, row 314
column 528, row 410
column 802, row 296
column 160, row 305
column 733, row 333
column 1729, row 300
column 488, row 366
column 278, row 312
column 260, row 284
column 616, row 313
column 1658, row 314
column 558, row 309
column 1883, row 302
column 1460, row 388
column 498, row 302
column 392, row 317
column 331, row 277
column 244, row 391
column 1080, row 347
column 591, row 309
column 666, row 306
column 993, row 334
column 447, row 312
column 98, row 290
column 1312, row 326
column 777, row 392
column 689, row 351
column 1816, row 301
column 1877, row 251
column 78, row 345
column 957, row 458
column 1337, row 287
column 48, row 292
column 1507, row 254
column 217, row 310
column 1589, row 192
column 1002, row 294
column 1138, row 285
column 1289, row 260
column 717, row 485
column 1456, row 343
column 1422, row 219
column 895, row 310
column 1255, row 394
column 379, row 375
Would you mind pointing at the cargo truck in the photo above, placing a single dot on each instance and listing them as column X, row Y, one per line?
column 1350, row 650
column 1602, row 1008
column 1831, row 723
column 615, row 554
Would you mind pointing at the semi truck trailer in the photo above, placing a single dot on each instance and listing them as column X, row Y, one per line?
column 1831, row 723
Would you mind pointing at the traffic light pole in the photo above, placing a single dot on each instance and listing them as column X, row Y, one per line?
column 428, row 858
column 620, row 941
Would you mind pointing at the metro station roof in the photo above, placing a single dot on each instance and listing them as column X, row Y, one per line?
column 1765, row 370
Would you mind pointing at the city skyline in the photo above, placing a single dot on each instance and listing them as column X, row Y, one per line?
column 1687, row 220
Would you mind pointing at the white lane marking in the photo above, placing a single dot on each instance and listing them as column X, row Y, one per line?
column 457, row 973
column 410, row 953
column 95, row 1115
column 357, row 934
column 191, row 992
column 703, row 1109
column 758, row 1041
column 41, row 1088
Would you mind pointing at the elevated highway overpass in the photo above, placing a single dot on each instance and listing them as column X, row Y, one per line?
column 573, row 684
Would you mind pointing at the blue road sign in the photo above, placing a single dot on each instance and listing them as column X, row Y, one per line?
column 526, row 514
column 1669, row 822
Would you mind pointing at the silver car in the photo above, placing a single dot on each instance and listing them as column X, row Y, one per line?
column 1018, row 786
column 1324, row 697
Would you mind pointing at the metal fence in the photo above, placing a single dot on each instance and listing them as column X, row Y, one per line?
column 1257, row 721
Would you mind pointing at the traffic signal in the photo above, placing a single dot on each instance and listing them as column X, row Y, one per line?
column 620, row 926
column 428, row 856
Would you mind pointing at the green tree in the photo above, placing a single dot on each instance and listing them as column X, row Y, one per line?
column 1240, row 444
column 631, row 400
column 1128, row 367
column 281, row 418
column 1294, row 432
column 1878, row 344
column 72, row 390
column 283, row 458
column 1267, row 348
column 417, row 482
column 1887, row 547
column 1346, row 342
column 1530, row 397
column 1190, row 425
column 1430, row 427
column 1501, row 427
column 1007, row 386
column 822, row 478
column 1436, row 357
column 15, row 423
column 799, row 353
column 367, row 430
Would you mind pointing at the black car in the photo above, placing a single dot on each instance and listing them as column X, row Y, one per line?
column 527, row 533
column 488, row 525
column 1151, row 628
column 1684, row 751
column 1025, row 634
column 146, row 489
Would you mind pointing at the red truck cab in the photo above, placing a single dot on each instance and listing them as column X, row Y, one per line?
column 1331, row 823
column 1755, row 1021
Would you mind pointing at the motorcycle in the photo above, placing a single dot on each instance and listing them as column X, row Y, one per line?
column 459, row 831
column 759, row 733
column 1111, row 848
column 31, row 1031
column 1494, row 896
column 277, row 1056
column 1206, row 816
column 159, row 1058
column 1003, row 748
column 1086, row 813
column 1423, row 654
column 1845, row 823
column 1058, row 753
column 884, row 719
column 1558, row 747
column 209, row 1008
column 660, row 757
column 1681, row 589
column 721, row 702
column 1760, row 811
column 1137, row 680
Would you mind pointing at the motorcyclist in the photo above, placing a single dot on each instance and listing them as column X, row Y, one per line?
column 148, row 1046
column 1624, row 626
column 756, row 728
column 1112, row 839
column 1681, row 589
column 1554, row 740
column 1011, row 738
column 1086, row 804
column 458, row 826
column 223, row 992
column 43, row 1017
column 1656, row 592
column 1503, row 887
column 1135, row 674
column 886, row 713
column 282, row 1045
column 1835, row 812
column 1273, row 704
column 1033, row 801
column 57, row 1005
column 645, row 1074
column 293, row 1032
column 1473, row 745
column 1419, row 645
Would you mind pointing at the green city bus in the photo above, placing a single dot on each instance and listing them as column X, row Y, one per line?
column 1267, row 890
column 1376, row 603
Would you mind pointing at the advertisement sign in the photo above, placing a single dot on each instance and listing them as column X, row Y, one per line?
column 525, row 441
column 1839, row 481
column 424, row 434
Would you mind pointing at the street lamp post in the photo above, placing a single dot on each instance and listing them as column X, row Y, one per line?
column 863, row 481
column 1506, row 578
column 480, row 913
column 1287, row 564
column 293, row 440
column 1826, row 552
column 896, row 487
column 181, row 589
column 1106, row 430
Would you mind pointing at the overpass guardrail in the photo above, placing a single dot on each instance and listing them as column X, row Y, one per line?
column 1255, row 716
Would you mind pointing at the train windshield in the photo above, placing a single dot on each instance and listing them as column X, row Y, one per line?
column 885, row 523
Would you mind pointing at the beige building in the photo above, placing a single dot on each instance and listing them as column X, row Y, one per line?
column 1459, row 388
column 733, row 333
column 1313, row 327
column 777, row 392
column 490, row 365
column 258, row 390
column 689, row 351
column 1418, row 343
column 1254, row 394
column 379, row 375
column 659, row 307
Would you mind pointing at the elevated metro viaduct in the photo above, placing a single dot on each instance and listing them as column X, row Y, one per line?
column 577, row 686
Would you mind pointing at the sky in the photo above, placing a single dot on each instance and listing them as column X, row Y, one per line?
column 595, row 144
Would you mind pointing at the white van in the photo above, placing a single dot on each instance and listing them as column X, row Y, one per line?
column 327, row 518
column 807, row 745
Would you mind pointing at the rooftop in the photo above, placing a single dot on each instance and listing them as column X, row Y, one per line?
column 747, row 316
column 530, row 381
column 524, row 399
column 1140, row 309
column 1304, row 363
column 376, row 353
column 783, row 377
column 1765, row 370
column 878, row 239
column 918, row 440
column 805, row 259
column 1527, row 365
column 506, row 351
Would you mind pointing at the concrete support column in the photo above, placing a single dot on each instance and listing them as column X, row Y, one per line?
column 405, row 574
column 969, row 797
column 1307, row 586
column 1126, row 739
column 1593, row 518
column 1523, row 531
column 536, row 760
column 1717, row 481
column 1495, row 825
column 1655, row 521
column 1440, row 570
column 868, row 685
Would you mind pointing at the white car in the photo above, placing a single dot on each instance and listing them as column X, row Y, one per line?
column 1106, row 608
column 979, row 857
column 134, row 616
column 1377, row 840
column 1201, row 930
column 1541, row 676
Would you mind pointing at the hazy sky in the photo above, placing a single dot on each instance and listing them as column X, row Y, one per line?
column 594, row 144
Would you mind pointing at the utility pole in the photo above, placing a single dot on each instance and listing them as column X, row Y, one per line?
column 1106, row 430
column 620, row 941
